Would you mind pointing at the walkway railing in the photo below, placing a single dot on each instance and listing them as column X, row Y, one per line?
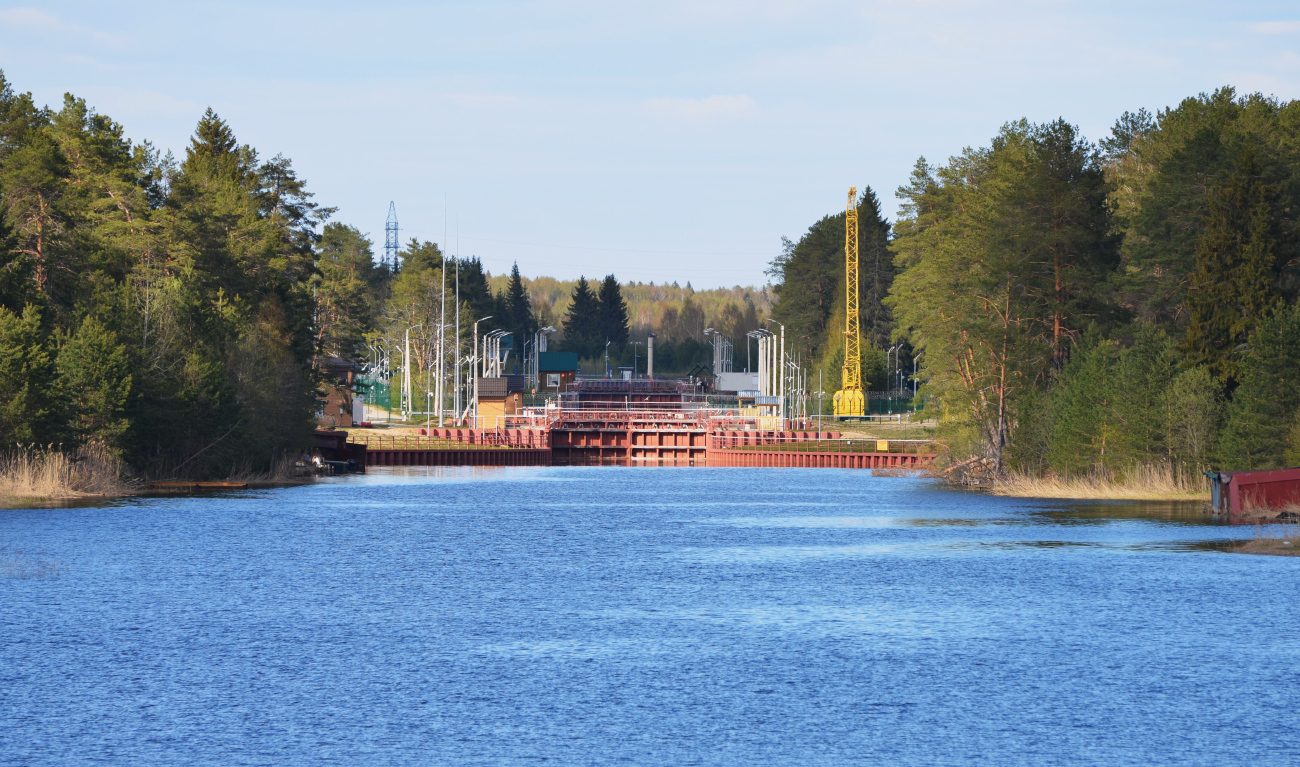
column 758, row 441
column 457, row 439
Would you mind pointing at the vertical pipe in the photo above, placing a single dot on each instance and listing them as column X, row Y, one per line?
column 650, row 356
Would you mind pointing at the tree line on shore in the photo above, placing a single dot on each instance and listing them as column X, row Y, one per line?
column 1079, row 307
column 181, row 312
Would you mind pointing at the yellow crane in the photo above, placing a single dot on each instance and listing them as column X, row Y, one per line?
column 849, row 400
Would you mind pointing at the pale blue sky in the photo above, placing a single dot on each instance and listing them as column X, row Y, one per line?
column 659, row 141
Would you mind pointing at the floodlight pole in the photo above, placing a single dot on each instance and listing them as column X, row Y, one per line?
column 406, row 374
column 475, row 363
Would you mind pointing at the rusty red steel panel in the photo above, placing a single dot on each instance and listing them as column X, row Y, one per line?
column 1237, row 492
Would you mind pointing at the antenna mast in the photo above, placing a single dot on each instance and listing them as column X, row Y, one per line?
column 391, row 245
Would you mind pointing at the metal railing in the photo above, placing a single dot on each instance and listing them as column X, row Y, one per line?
column 459, row 439
column 801, row 444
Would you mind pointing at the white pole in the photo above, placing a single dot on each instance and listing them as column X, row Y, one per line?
column 442, row 315
column 782, row 377
column 455, row 399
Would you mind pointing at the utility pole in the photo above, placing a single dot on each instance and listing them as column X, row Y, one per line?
column 442, row 312
column 455, row 399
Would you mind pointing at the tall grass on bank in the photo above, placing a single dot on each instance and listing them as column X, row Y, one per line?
column 1142, row 482
column 33, row 472
column 1277, row 539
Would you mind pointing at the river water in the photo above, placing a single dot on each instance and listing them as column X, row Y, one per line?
column 584, row 616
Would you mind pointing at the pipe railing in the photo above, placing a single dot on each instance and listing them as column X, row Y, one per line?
column 456, row 439
column 803, row 443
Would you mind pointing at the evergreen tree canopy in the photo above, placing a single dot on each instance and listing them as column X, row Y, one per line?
column 582, row 333
column 420, row 256
column 613, row 314
column 517, row 311
column 345, row 291
column 1240, row 259
column 809, row 280
column 1002, row 253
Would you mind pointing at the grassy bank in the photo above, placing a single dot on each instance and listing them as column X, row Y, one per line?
column 33, row 475
column 1272, row 539
column 1140, row 483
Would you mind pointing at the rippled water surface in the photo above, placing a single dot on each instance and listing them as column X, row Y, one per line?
column 640, row 616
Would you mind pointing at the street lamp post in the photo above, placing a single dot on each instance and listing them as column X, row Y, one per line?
column 781, row 383
column 406, row 375
column 539, row 346
column 474, row 363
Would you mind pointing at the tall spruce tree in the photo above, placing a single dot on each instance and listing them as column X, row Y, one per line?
column 1239, row 260
column 613, row 314
column 582, row 321
column 519, row 311
column 1264, row 416
column 809, row 280
column 475, row 293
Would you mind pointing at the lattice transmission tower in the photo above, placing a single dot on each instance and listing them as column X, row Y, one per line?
column 391, row 244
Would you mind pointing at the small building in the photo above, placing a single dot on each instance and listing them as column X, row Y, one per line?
column 499, row 397
column 556, row 370
column 1243, row 493
column 742, row 384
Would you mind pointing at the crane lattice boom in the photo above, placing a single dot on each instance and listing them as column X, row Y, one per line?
column 849, row 401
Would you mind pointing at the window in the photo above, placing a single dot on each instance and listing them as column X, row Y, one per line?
column 553, row 379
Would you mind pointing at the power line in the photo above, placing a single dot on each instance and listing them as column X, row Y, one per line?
column 611, row 250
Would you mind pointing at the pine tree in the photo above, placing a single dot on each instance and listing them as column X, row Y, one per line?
column 582, row 321
column 613, row 314
column 26, row 379
column 875, row 271
column 1265, row 410
column 420, row 256
column 95, row 382
column 214, row 153
column 519, row 310
column 1238, row 261
column 475, row 293
column 345, row 307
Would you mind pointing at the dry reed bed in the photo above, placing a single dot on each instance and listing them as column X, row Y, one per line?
column 34, row 473
column 1139, row 483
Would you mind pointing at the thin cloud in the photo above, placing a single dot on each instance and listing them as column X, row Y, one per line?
column 706, row 110
column 34, row 19
column 1276, row 27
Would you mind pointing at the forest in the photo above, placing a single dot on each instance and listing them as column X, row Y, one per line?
column 1076, row 307
column 182, row 313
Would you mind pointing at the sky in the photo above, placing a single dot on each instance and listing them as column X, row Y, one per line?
column 660, row 141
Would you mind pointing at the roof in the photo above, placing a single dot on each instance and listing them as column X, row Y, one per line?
column 492, row 388
column 557, row 362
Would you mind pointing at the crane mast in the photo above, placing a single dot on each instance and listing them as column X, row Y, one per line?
column 849, row 400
